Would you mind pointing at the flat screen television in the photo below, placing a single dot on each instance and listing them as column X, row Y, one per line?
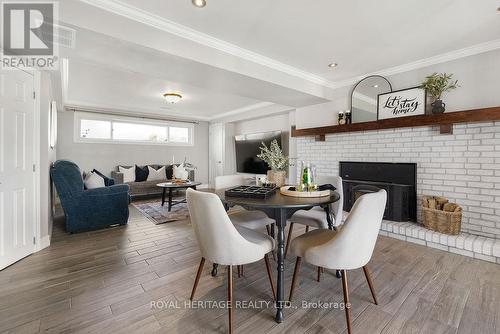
column 248, row 146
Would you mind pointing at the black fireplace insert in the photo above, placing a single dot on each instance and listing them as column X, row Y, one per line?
column 398, row 179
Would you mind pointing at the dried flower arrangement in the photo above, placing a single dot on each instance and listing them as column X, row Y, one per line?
column 273, row 156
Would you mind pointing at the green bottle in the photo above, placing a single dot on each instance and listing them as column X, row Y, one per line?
column 306, row 176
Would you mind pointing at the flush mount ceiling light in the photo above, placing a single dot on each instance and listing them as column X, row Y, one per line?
column 332, row 65
column 199, row 3
column 172, row 97
column 375, row 86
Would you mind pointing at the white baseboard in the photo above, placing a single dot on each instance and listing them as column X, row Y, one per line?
column 44, row 243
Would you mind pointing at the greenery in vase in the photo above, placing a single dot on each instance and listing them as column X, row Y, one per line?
column 436, row 84
column 273, row 156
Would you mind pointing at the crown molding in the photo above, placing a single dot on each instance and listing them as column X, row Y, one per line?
column 135, row 112
column 242, row 110
column 139, row 15
column 254, row 111
column 434, row 60
column 158, row 22
column 132, row 112
column 444, row 57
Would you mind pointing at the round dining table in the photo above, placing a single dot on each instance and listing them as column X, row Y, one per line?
column 280, row 208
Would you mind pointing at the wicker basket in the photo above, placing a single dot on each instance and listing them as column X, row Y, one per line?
column 442, row 221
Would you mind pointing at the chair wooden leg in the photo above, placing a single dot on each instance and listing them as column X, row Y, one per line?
column 295, row 274
column 230, row 297
column 288, row 239
column 198, row 274
column 307, row 229
column 370, row 283
column 346, row 301
column 268, row 268
column 239, row 271
column 319, row 274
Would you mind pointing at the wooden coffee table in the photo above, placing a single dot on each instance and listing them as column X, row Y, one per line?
column 174, row 186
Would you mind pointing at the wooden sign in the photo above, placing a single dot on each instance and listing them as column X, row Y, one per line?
column 401, row 103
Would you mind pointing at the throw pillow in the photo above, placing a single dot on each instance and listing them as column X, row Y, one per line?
column 107, row 180
column 93, row 180
column 141, row 173
column 169, row 171
column 156, row 175
column 180, row 172
column 128, row 174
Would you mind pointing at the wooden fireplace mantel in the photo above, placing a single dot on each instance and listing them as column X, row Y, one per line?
column 445, row 122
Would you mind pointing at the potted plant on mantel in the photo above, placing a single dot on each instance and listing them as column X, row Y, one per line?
column 277, row 161
column 437, row 84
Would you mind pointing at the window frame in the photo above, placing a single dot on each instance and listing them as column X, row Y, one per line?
column 80, row 115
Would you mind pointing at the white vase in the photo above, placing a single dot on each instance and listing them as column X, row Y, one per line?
column 180, row 172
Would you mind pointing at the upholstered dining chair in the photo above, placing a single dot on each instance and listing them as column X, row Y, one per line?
column 349, row 248
column 316, row 217
column 250, row 219
column 223, row 243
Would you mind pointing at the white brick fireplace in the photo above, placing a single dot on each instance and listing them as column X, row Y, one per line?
column 463, row 167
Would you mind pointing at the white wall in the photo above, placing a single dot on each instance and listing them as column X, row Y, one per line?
column 479, row 77
column 229, row 149
column 280, row 122
column 263, row 124
column 105, row 157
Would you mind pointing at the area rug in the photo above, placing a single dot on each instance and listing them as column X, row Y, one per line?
column 159, row 214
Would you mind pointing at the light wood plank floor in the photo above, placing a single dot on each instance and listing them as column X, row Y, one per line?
column 105, row 281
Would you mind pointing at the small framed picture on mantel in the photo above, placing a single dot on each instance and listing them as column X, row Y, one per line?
column 402, row 103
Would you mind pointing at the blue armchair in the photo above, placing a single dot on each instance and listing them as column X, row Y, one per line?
column 90, row 209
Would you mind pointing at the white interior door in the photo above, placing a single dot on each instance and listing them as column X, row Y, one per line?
column 216, row 151
column 17, row 177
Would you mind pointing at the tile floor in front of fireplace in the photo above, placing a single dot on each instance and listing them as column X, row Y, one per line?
column 104, row 282
column 479, row 247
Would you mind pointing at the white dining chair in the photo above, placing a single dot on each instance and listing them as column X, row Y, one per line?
column 250, row 219
column 351, row 247
column 316, row 217
column 223, row 243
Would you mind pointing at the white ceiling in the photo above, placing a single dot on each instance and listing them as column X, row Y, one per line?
column 260, row 56
column 362, row 36
column 99, row 85
column 104, row 71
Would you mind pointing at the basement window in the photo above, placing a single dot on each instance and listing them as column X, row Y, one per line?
column 111, row 129
column 140, row 132
column 95, row 129
column 178, row 134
